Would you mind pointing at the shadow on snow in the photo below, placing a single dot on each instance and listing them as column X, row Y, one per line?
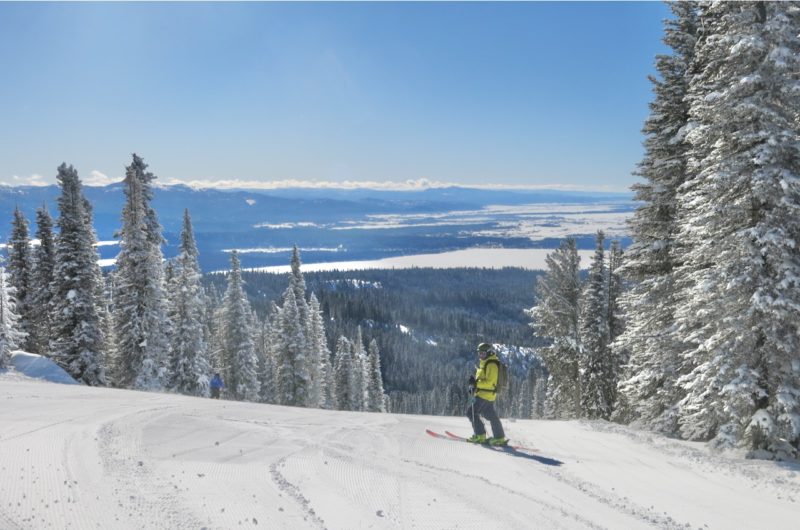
column 521, row 454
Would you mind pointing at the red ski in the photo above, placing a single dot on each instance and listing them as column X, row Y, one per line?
column 515, row 447
column 437, row 435
column 515, row 450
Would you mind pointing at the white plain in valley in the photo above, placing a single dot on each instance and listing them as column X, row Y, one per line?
column 281, row 250
column 534, row 221
column 488, row 258
column 81, row 457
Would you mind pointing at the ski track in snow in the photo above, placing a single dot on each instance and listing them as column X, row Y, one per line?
column 294, row 492
column 78, row 457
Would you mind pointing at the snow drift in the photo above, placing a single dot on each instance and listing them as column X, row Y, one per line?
column 38, row 367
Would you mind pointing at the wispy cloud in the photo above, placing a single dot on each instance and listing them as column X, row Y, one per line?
column 30, row 180
column 418, row 184
column 96, row 178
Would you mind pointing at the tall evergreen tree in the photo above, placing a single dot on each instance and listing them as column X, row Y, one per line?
column 20, row 271
column 595, row 353
column 213, row 328
column 140, row 311
column 240, row 363
column 740, row 291
column 616, row 322
column 266, row 364
column 294, row 381
column 539, row 396
column 77, row 341
column 189, row 353
column 648, row 391
column 320, row 365
column 556, row 318
column 44, row 257
column 269, row 385
column 375, row 396
column 298, row 284
column 360, row 375
column 10, row 333
column 343, row 398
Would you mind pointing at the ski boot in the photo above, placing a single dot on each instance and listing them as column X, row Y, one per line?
column 477, row 439
column 498, row 442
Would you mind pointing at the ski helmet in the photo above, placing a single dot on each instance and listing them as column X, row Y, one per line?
column 484, row 347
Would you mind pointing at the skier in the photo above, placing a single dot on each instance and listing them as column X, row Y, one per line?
column 483, row 392
column 216, row 385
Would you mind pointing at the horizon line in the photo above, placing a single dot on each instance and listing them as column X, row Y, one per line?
column 99, row 180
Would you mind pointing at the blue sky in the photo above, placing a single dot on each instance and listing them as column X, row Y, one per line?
column 518, row 94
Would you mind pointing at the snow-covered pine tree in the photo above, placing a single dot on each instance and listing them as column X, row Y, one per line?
column 269, row 384
column 648, row 392
column 101, row 298
column 298, row 285
column 266, row 366
column 319, row 354
column 293, row 380
column 375, row 396
column 44, row 257
column 239, row 360
column 616, row 321
column 10, row 334
column 595, row 365
column 104, row 301
column 539, row 396
column 188, row 352
column 212, row 326
column 19, row 272
column 343, row 375
column 556, row 318
column 168, row 281
column 140, row 312
column 360, row 375
column 523, row 401
column 77, row 341
column 741, row 275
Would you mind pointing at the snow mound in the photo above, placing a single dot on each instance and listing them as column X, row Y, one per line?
column 38, row 367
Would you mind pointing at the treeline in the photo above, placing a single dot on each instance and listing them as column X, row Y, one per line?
column 151, row 325
column 400, row 340
column 427, row 323
column 581, row 319
column 712, row 316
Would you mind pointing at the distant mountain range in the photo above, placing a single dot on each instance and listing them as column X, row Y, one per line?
column 353, row 224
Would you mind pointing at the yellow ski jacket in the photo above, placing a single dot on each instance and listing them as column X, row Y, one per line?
column 486, row 378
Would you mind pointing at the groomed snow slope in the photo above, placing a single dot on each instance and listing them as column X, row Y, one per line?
column 78, row 457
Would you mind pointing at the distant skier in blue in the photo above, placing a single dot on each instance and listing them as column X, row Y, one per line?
column 216, row 385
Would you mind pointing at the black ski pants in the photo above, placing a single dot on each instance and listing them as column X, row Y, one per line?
column 484, row 408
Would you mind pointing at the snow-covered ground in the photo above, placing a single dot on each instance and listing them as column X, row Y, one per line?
column 79, row 457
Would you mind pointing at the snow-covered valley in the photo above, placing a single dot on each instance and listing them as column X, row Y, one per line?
column 78, row 457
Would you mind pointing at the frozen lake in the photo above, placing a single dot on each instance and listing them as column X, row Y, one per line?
column 491, row 258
